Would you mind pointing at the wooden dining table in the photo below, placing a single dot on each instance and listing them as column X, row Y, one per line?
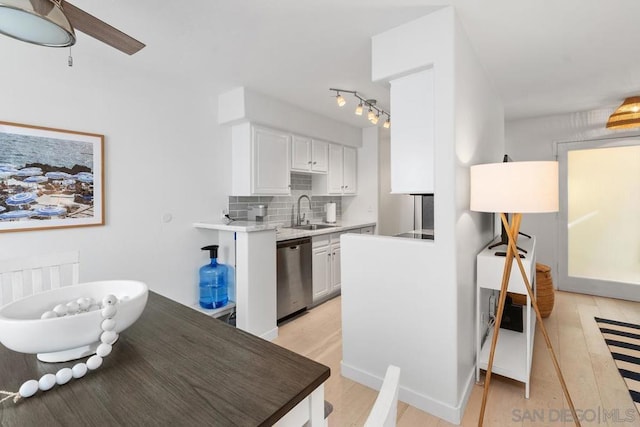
column 173, row 366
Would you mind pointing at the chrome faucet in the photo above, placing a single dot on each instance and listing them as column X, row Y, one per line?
column 300, row 219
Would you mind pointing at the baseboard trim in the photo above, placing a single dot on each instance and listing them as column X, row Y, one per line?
column 270, row 335
column 447, row 412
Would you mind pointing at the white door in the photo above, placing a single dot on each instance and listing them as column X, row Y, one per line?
column 335, row 267
column 320, row 156
column 321, row 266
column 412, row 133
column 349, row 171
column 301, row 153
column 334, row 178
column 271, row 157
column 600, row 217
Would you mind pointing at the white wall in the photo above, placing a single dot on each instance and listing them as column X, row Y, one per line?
column 395, row 212
column 470, row 129
column 533, row 139
column 364, row 206
column 162, row 155
column 243, row 104
column 479, row 127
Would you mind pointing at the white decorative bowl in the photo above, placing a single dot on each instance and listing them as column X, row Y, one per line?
column 73, row 336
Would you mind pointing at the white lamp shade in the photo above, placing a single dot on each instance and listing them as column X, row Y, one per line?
column 40, row 22
column 515, row 187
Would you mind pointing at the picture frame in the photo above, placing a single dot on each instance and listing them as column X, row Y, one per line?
column 50, row 178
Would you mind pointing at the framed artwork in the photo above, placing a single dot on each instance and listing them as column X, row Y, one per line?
column 50, row 178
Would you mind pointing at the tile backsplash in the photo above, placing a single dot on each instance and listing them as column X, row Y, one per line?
column 284, row 208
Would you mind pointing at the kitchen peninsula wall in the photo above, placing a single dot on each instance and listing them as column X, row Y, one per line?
column 284, row 208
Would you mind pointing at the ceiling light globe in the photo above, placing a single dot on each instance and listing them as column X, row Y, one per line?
column 387, row 124
column 40, row 22
column 375, row 119
column 370, row 115
column 359, row 109
column 340, row 100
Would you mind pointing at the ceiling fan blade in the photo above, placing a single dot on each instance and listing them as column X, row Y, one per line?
column 92, row 26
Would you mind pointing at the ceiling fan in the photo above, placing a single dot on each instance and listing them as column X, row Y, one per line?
column 52, row 23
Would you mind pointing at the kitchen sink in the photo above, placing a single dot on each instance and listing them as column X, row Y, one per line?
column 312, row 226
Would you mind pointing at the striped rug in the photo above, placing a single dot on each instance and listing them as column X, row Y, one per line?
column 623, row 340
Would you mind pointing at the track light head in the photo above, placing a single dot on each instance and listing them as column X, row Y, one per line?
column 387, row 123
column 374, row 112
column 370, row 115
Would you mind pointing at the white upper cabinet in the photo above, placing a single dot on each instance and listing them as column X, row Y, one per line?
column 260, row 161
column 412, row 133
column 342, row 175
column 336, row 166
column 309, row 155
column 349, row 170
column 320, row 156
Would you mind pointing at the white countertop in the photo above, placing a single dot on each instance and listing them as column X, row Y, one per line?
column 283, row 231
column 245, row 226
column 286, row 233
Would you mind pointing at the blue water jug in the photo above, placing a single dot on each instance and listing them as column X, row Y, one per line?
column 214, row 281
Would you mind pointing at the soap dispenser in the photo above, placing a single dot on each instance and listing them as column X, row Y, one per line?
column 214, row 281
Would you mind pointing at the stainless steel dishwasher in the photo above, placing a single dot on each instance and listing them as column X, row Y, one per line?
column 294, row 277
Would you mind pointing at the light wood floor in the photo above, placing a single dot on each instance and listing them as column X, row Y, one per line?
column 592, row 378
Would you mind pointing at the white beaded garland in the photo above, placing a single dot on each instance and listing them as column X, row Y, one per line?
column 108, row 325
column 109, row 311
column 60, row 309
column 94, row 362
column 103, row 350
column 28, row 389
column 47, row 381
column 84, row 303
column 63, row 376
column 108, row 337
column 109, row 300
column 79, row 370
column 72, row 307
column 49, row 315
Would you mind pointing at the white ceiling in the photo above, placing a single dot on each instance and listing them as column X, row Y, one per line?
column 543, row 56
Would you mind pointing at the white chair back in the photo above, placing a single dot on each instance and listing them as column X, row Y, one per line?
column 26, row 276
column 385, row 408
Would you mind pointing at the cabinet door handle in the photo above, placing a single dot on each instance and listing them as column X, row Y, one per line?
column 314, row 163
column 309, row 162
column 329, row 254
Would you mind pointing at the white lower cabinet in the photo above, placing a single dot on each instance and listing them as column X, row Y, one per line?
column 326, row 266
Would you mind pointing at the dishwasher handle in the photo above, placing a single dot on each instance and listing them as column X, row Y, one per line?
column 293, row 243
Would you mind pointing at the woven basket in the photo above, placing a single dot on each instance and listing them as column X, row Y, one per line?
column 544, row 292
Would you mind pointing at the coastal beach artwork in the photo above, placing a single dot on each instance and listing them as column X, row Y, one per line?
column 49, row 178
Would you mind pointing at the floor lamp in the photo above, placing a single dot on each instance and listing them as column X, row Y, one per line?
column 516, row 187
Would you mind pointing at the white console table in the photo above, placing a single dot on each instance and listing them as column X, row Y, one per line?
column 514, row 350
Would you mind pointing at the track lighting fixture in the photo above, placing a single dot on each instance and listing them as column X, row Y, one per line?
column 374, row 113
